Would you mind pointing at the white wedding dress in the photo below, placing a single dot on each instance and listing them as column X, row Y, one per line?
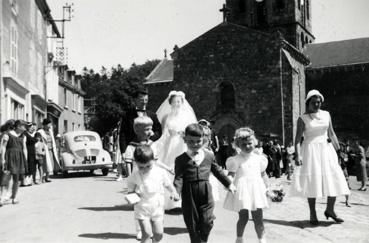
column 171, row 145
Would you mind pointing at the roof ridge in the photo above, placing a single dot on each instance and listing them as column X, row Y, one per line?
column 336, row 41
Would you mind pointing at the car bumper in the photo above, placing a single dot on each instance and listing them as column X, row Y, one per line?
column 87, row 167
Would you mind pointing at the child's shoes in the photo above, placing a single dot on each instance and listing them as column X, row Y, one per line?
column 139, row 235
column 120, row 178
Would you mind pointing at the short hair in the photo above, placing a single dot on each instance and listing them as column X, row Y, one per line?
column 46, row 121
column 195, row 130
column 142, row 121
column 18, row 123
column 38, row 135
column 143, row 154
column 8, row 125
column 244, row 133
column 140, row 91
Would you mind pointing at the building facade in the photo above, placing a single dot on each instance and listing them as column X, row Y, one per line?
column 340, row 71
column 24, row 59
column 247, row 71
column 71, row 100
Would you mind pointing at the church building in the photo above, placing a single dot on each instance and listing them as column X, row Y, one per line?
column 247, row 71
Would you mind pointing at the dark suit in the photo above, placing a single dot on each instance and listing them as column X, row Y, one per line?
column 127, row 134
column 192, row 182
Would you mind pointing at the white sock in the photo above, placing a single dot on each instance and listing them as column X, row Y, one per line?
column 239, row 240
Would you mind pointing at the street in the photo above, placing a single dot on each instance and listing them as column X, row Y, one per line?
column 85, row 208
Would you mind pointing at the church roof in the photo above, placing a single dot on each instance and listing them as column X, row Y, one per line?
column 162, row 73
column 338, row 53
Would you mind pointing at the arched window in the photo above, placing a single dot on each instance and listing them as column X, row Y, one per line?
column 260, row 12
column 307, row 9
column 302, row 40
column 279, row 4
column 242, row 6
column 226, row 96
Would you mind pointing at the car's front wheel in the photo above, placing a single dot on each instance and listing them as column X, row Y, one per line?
column 105, row 171
column 65, row 173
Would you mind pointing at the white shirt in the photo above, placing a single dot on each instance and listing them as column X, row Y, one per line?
column 198, row 157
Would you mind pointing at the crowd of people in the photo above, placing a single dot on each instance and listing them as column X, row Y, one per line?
column 174, row 161
column 28, row 156
column 171, row 147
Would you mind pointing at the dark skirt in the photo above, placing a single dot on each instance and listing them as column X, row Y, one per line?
column 31, row 163
column 16, row 162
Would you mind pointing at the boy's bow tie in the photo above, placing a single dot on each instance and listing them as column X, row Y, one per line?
column 195, row 153
column 141, row 110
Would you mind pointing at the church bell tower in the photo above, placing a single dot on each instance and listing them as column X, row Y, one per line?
column 291, row 17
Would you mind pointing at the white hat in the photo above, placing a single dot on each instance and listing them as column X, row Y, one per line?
column 204, row 121
column 312, row 93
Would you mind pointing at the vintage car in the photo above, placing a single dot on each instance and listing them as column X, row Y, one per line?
column 82, row 150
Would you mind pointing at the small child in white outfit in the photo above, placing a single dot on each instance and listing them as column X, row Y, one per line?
column 148, row 182
column 248, row 170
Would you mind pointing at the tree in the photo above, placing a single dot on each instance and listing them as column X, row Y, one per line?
column 113, row 91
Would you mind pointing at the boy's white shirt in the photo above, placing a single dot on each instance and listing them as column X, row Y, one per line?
column 198, row 158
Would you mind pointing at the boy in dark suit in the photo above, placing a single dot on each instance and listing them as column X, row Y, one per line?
column 192, row 169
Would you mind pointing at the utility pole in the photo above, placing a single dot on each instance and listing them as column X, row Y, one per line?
column 61, row 51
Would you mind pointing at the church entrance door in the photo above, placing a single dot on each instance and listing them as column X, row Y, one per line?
column 226, row 133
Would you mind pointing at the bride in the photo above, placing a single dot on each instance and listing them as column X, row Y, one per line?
column 174, row 114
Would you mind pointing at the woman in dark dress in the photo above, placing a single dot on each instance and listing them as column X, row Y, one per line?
column 14, row 154
column 31, row 153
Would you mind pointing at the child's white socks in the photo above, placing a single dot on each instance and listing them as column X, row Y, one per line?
column 262, row 240
column 239, row 240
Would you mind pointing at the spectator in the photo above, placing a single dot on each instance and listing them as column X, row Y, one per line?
column 360, row 160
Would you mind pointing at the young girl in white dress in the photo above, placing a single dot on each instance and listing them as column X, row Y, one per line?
column 248, row 170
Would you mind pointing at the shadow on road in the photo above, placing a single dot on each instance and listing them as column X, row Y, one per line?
column 299, row 223
column 105, row 178
column 124, row 207
column 175, row 230
column 109, row 235
column 357, row 204
column 174, row 211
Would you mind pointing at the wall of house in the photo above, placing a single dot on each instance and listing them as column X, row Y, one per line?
column 28, row 71
column 71, row 118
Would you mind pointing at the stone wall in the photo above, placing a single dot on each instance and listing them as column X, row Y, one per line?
column 346, row 98
column 247, row 59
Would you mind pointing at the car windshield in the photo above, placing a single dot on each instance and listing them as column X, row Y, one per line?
column 84, row 138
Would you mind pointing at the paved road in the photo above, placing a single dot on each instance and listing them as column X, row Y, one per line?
column 82, row 208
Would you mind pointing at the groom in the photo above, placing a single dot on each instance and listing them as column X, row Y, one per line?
column 127, row 134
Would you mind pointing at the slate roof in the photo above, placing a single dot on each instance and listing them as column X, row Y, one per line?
column 162, row 73
column 338, row 53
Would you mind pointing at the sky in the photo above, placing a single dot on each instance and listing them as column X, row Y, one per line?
column 110, row 32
